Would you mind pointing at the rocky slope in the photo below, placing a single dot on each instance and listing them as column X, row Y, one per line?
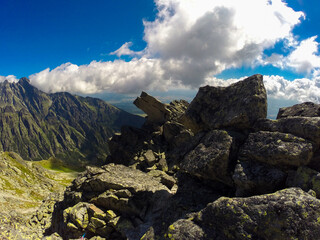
column 38, row 125
column 212, row 169
column 23, row 187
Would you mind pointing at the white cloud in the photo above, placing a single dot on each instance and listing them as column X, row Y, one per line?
column 117, row 76
column 303, row 59
column 303, row 90
column 188, row 42
column 10, row 78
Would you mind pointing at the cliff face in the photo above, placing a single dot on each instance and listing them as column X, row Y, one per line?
column 214, row 169
column 38, row 125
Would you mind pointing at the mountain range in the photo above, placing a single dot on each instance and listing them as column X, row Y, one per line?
column 38, row 125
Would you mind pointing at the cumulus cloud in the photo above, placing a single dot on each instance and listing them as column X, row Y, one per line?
column 303, row 89
column 303, row 59
column 116, row 76
column 187, row 42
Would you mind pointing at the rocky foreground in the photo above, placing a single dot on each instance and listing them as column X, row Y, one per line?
column 212, row 169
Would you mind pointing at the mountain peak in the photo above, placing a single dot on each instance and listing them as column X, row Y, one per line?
column 24, row 80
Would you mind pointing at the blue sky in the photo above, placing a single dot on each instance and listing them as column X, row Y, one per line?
column 37, row 34
column 125, row 47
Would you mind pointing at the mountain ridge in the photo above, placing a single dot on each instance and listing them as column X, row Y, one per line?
column 38, row 125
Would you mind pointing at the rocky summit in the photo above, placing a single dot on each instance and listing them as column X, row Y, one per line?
column 212, row 169
column 38, row 125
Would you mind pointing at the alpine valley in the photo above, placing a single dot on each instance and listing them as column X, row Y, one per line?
column 38, row 126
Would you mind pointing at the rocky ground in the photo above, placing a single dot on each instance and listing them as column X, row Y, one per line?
column 212, row 169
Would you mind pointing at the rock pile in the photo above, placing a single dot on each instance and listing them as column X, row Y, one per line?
column 214, row 169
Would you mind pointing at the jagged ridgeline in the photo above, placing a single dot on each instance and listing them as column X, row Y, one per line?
column 38, row 125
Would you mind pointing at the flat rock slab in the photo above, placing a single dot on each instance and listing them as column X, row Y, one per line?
column 119, row 177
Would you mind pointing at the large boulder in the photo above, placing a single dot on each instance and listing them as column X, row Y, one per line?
column 278, row 149
column 210, row 159
column 286, row 214
column 307, row 109
column 117, row 177
column 305, row 127
column 237, row 106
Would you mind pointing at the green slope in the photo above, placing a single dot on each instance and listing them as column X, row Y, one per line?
column 38, row 125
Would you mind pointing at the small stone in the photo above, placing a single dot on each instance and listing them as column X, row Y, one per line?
column 149, row 158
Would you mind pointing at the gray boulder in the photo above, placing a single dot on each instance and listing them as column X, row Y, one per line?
column 211, row 157
column 278, row 149
column 286, row 214
column 307, row 109
column 87, row 218
column 305, row 127
column 237, row 106
column 117, row 177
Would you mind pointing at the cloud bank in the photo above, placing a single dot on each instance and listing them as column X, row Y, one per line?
column 191, row 41
column 301, row 90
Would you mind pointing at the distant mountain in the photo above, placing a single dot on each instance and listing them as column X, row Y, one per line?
column 38, row 125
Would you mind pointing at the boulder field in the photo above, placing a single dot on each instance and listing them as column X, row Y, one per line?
column 212, row 169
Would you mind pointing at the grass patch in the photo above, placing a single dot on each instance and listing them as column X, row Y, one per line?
column 57, row 165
